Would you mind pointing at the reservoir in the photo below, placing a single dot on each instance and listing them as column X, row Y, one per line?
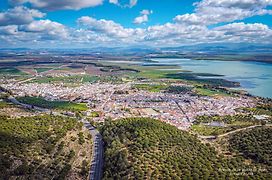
column 254, row 77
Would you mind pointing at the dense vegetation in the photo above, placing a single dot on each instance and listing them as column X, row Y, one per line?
column 33, row 147
column 255, row 144
column 143, row 148
column 60, row 105
column 151, row 87
column 200, row 78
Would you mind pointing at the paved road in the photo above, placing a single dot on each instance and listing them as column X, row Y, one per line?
column 96, row 171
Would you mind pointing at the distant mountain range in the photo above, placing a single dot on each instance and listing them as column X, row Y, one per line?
column 215, row 48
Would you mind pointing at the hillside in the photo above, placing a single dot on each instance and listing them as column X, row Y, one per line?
column 255, row 144
column 43, row 147
column 143, row 148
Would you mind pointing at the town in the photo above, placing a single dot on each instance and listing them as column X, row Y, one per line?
column 117, row 101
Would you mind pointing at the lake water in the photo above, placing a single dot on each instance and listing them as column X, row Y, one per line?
column 254, row 77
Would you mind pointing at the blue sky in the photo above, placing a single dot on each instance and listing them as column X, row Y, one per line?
column 89, row 23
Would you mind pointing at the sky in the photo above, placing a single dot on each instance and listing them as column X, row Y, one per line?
column 139, row 23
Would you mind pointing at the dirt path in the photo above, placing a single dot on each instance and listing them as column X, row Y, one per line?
column 228, row 133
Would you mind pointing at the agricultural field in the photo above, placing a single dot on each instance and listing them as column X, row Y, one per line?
column 44, row 147
column 210, row 92
column 11, row 71
column 57, row 105
column 151, row 87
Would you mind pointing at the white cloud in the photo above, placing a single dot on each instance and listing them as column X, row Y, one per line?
column 185, row 29
column 215, row 11
column 124, row 3
column 113, row 1
column 19, row 15
column 59, row 4
column 143, row 17
column 71, row 4
column 241, row 4
column 40, row 32
column 242, row 32
column 9, row 30
column 107, row 27
column 48, row 28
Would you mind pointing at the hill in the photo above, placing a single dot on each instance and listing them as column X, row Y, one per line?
column 43, row 147
column 255, row 144
column 143, row 148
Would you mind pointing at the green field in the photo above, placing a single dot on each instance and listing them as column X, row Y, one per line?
column 210, row 131
column 89, row 79
column 11, row 71
column 151, row 87
column 150, row 72
column 59, row 105
column 210, row 92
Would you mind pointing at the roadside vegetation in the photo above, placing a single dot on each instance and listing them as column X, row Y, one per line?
column 143, row 148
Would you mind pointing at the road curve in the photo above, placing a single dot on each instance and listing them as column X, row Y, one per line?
column 96, row 170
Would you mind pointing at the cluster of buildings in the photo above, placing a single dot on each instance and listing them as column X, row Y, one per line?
column 177, row 109
column 121, row 101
